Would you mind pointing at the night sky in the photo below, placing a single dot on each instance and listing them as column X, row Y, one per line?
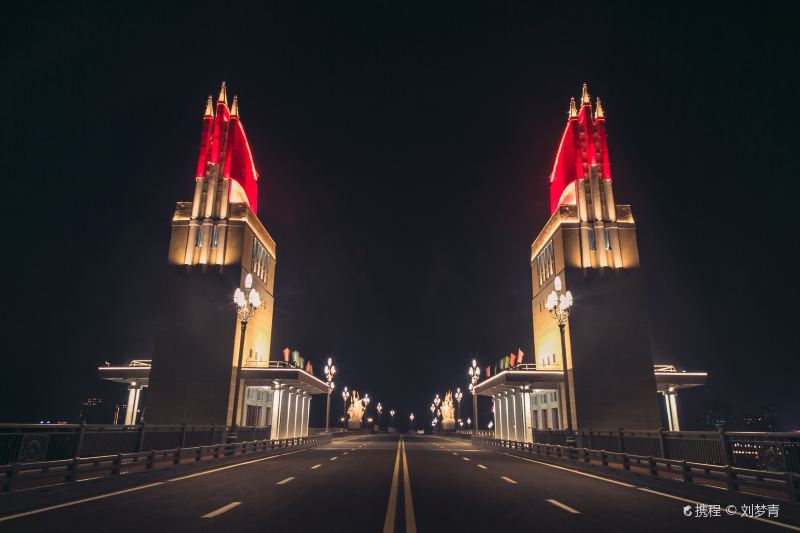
column 404, row 154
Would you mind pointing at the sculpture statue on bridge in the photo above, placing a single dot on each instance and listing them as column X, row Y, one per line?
column 448, row 413
column 356, row 411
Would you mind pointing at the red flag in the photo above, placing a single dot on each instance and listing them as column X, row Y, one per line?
column 520, row 354
column 286, row 354
column 513, row 359
column 308, row 367
column 488, row 371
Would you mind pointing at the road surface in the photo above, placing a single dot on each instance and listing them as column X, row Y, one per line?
column 388, row 483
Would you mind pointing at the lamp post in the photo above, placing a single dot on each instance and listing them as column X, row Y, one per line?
column 345, row 395
column 458, row 395
column 391, row 414
column 247, row 302
column 469, row 423
column 366, row 401
column 559, row 304
column 474, row 376
column 411, row 417
column 379, row 408
column 330, row 371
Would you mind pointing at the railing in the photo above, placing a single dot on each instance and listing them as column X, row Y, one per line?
column 768, row 451
column 773, row 484
column 21, row 476
column 322, row 431
column 480, row 432
column 53, row 442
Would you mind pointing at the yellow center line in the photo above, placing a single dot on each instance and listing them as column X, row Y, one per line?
column 411, row 523
column 391, row 509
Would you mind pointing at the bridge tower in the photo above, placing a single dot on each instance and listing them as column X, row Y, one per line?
column 590, row 243
column 216, row 240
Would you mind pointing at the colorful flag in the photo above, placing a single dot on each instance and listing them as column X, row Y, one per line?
column 520, row 354
column 495, row 369
column 513, row 360
column 308, row 368
column 506, row 361
column 488, row 371
column 286, row 354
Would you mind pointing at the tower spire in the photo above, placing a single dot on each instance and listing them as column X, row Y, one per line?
column 585, row 95
column 573, row 111
column 209, row 107
column 598, row 111
column 235, row 106
column 223, row 94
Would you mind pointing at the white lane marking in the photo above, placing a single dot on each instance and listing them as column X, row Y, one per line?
column 345, row 453
column 206, row 472
column 223, row 509
column 562, row 506
column 315, row 467
column 285, row 481
column 481, row 466
column 465, row 458
column 571, row 470
column 333, row 458
column 687, row 500
column 454, row 453
column 508, row 479
column 76, row 502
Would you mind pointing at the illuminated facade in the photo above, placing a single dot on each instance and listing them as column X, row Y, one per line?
column 217, row 239
column 589, row 243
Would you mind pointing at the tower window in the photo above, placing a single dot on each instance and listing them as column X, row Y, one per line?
column 592, row 243
column 214, row 236
column 607, row 238
column 198, row 238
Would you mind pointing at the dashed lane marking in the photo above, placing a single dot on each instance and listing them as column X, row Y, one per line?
column 562, row 506
column 481, row 466
column 223, row 509
column 285, row 481
column 333, row 458
column 465, row 458
column 315, row 467
column 504, row 478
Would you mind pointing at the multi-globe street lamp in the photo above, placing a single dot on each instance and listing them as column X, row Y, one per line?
column 330, row 371
column 391, row 414
column 365, row 400
column 469, row 423
column 345, row 395
column 559, row 304
column 458, row 395
column 379, row 408
column 247, row 302
column 411, row 418
column 474, row 376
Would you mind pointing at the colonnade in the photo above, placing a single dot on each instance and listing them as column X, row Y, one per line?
column 290, row 411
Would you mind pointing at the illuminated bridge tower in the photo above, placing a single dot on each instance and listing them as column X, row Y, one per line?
column 217, row 239
column 590, row 242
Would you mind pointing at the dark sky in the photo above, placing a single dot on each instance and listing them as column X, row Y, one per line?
column 404, row 154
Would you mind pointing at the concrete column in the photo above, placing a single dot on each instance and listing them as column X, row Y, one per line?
column 673, row 409
column 609, row 194
column 498, row 418
column 198, row 196
column 296, row 408
column 276, row 413
column 581, row 199
column 506, row 417
column 133, row 405
column 526, row 411
column 308, row 414
column 303, row 420
column 514, row 419
column 286, row 413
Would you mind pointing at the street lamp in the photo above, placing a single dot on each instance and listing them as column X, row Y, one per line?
column 490, row 425
column 474, row 376
column 366, row 401
column 247, row 302
column 559, row 304
column 391, row 414
column 458, row 395
column 411, row 417
column 469, row 422
column 330, row 371
column 379, row 408
column 345, row 395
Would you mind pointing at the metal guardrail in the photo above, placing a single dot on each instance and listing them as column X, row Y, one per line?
column 777, row 452
column 730, row 477
column 20, row 476
column 53, row 442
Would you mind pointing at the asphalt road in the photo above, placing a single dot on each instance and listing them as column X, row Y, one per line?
column 375, row 483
